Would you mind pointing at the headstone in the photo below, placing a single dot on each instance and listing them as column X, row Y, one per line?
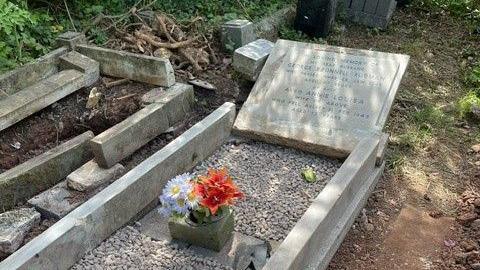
column 71, row 39
column 315, row 17
column 250, row 59
column 321, row 99
column 236, row 33
column 14, row 225
column 373, row 13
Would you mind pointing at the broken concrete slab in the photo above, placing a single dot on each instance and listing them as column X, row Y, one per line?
column 90, row 176
column 88, row 225
column 14, row 225
column 30, row 73
column 42, row 172
column 236, row 33
column 57, row 201
column 180, row 98
column 250, row 59
column 75, row 60
column 137, row 67
column 269, row 27
column 123, row 139
column 38, row 96
column 71, row 39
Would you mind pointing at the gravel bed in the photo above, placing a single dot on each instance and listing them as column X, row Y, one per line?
column 276, row 195
column 129, row 249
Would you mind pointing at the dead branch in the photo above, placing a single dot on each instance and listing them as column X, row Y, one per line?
column 163, row 28
column 115, row 83
column 155, row 43
column 190, row 58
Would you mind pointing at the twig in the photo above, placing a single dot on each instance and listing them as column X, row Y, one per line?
column 4, row 93
column 189, row 57
column 163, row 27
column 155, row 43
column 124, row 97
column 69, row 16
column 115, row 83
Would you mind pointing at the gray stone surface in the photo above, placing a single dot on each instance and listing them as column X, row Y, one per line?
column 382, row 149
column 71, row 39
column 42, row 172
column 14, row 225
column 250, row 59
column 373, row 13
column 90, row 176
column 75, row 60
column 121, row 140
column 137, row 67
column 58, row 201
column 30, row 73
column 317, row 235
column 236, row 33
column 91, row 223
column 178, row 100
column 38, row 96
column 269, row 27
column 320, row 98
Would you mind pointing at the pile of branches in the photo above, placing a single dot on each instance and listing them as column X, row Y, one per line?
column 160, row 35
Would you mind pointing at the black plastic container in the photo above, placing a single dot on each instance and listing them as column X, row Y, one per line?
column 315, row 17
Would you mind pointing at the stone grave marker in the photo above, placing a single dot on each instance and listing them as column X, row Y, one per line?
column 321, row 99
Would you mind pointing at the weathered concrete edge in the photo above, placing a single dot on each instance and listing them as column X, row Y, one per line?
column 39, row 69
column 74, row 151
column 382, row 149
column 88, row 225
column 268, row 27
column 310, row 238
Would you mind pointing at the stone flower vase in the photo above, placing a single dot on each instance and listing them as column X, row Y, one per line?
column 213, row 235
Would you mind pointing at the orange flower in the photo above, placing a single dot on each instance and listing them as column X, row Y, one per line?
column 217, row 189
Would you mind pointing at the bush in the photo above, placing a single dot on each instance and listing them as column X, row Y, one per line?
column 471, row 100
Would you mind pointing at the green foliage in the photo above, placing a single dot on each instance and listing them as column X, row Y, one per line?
column 309, row 175
column 473, row 78
column 469, row 9
column 287, row 32
column 432, row 118
column 466, row 104
column 24, row 34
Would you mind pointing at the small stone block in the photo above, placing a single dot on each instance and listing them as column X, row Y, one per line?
column 250, row 59
column 75, row 60
column 236, row 33
column 14, row 225
column 213, row 236
column 126, row 137
column 71, row 39
column 57, row 201
column 178, row 100
column 91, row 176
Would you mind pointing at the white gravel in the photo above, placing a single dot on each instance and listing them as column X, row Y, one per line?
column 129, row 249
column 276, row 196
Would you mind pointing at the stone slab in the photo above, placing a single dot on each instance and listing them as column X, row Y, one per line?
column 321, row 99
column 88, row 225
column 137, row 67
column 14, row 225
column 250, row 59
column 70, row 39
column 42, row 172
column 57, row 201
column 30, row 73
column 178, row 100
column 90, row 176
column 237, row 33
column 121, row 140
column 38, row 96
column 382, row 149
column 75, row 60
column 317, row 235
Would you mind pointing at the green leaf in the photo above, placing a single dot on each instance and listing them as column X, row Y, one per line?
column 309, row 175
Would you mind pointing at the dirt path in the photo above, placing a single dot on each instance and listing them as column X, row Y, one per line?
column 409, row 222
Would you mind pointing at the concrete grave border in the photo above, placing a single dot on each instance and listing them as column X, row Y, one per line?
column 83, row 229
column 307, row 246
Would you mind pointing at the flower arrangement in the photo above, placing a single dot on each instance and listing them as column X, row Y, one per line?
column 202, row 199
